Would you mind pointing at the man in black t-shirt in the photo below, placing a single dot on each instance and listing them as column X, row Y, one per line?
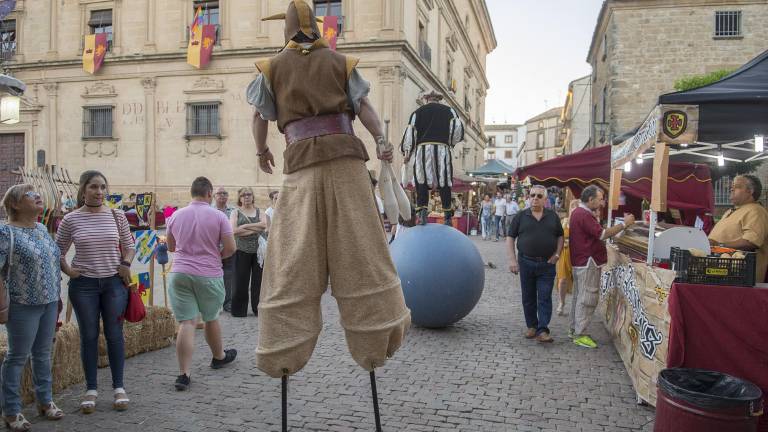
column 433, row 129
column 536, row 233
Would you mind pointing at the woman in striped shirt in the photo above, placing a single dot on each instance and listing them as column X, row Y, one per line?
column 98, row 278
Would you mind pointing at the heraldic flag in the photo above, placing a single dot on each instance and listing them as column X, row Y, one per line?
column 94, row 51
column 201, row 42
column 330, row 29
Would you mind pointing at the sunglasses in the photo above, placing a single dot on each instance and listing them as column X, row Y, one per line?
column 32, row 194
column 537, row 196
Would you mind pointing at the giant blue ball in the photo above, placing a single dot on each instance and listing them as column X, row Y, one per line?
column 441, row 271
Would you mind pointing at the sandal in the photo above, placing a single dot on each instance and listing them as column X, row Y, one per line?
column 17, row 423
column 121, row 400
column 88, row 405
column 50, row 411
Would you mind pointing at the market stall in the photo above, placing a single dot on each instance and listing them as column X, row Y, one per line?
column 463, row 193
column 690, row 185
column 667, row 327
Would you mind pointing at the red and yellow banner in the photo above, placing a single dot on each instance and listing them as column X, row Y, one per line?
column 201, row 45
column 331, row 29
column 94, row 51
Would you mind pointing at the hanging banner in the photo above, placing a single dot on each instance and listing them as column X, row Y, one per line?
column 143, row 204
column 201, row 46
column 146, row 244
column 142, row 283
column 331, row 30
column 114, row 201
column 95, row 48
column 671, row 124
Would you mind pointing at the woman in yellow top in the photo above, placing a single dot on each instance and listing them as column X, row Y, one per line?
column 564, row 278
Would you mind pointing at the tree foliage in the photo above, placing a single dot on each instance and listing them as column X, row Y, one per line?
column 696, row 81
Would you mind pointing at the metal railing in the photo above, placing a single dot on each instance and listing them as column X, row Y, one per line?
column 727, row 24
column 97, row 122
column 203, row 119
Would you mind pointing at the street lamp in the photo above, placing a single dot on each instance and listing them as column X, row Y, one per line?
column 9, row 109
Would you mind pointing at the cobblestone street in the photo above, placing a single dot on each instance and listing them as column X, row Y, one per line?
column 478, row 375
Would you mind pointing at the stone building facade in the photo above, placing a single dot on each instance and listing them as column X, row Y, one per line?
column 641, row 47
column 503, row 143
column 151, row 122
column 543, row 139
column 576, row 116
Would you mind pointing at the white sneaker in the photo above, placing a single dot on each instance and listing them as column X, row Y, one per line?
column 560, row 309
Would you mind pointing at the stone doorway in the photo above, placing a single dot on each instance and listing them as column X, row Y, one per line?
column 11, row 158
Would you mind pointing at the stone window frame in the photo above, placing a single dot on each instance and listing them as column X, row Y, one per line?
column 219, row 115
column 86, row 8
column 720, row 16
column 112, row 128
column 187, row 13
column 16, row 18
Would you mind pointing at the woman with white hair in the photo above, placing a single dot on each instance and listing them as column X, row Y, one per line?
column 29, row 274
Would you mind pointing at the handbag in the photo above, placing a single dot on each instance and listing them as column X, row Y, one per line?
column 5, row 298
column 134, row 310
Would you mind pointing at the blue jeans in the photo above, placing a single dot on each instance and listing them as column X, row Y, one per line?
column 485, row 220
column 106, row 298
column 498, row 225
column 30, row 330
column 536, row 282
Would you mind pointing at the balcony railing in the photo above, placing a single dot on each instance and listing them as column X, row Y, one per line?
column 425, row 52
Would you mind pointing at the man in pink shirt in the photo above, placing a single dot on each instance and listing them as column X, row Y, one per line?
column 195, row 234
column 588, row 255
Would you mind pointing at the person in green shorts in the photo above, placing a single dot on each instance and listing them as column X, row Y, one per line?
column 200, row 236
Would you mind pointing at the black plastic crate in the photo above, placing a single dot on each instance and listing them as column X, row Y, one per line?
column 713, row 270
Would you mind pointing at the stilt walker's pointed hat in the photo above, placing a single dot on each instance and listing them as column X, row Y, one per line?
column 298, row 18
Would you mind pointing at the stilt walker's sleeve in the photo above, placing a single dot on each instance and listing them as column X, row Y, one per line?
column 259, row 94
column 457, row 130
column 409, row 137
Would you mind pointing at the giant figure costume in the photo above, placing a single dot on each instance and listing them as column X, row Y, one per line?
column 432, row 132
column 328, row 227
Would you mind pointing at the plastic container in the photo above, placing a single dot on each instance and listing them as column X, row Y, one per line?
column 697, row 400
column 713, row 270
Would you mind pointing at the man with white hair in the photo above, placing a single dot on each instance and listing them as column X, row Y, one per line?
column 432, row 131
column 534, row 242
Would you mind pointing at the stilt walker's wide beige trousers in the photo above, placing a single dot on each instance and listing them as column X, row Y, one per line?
column 327, row 225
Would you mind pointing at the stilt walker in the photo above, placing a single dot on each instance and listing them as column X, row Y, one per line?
column 432, row 132
column 328, row 226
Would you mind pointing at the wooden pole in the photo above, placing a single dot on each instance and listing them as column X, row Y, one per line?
column 153, row 227
column 658, row 192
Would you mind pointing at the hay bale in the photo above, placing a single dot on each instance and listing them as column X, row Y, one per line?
column 67, row 369
column 156, row 332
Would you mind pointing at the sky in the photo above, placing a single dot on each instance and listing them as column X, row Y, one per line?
column 542, row 46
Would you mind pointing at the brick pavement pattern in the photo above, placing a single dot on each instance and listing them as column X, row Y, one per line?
column 477, row 375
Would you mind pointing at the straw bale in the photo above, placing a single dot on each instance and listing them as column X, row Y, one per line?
column 155, row 332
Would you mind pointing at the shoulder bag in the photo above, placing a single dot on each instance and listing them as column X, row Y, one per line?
column 134, row 310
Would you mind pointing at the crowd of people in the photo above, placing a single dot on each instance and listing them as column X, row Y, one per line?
column 215, row 264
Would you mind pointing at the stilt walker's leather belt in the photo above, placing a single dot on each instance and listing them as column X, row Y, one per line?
column 312, row 127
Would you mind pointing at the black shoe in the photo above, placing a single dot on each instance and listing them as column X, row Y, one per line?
column 229, row 357
column 182, row 382
column 448, row 221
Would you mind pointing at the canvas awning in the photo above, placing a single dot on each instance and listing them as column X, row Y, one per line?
column 493, row 167
column 690, row 185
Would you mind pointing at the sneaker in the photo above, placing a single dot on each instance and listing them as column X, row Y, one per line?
column 544, row 337
column 585, row 341
column 530, row 333
column 570, row 333
column 560, row 309
column 229, row 357
column 182, row 382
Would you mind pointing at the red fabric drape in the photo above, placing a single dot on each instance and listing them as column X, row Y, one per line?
column 720, row 328
column 689, row 186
